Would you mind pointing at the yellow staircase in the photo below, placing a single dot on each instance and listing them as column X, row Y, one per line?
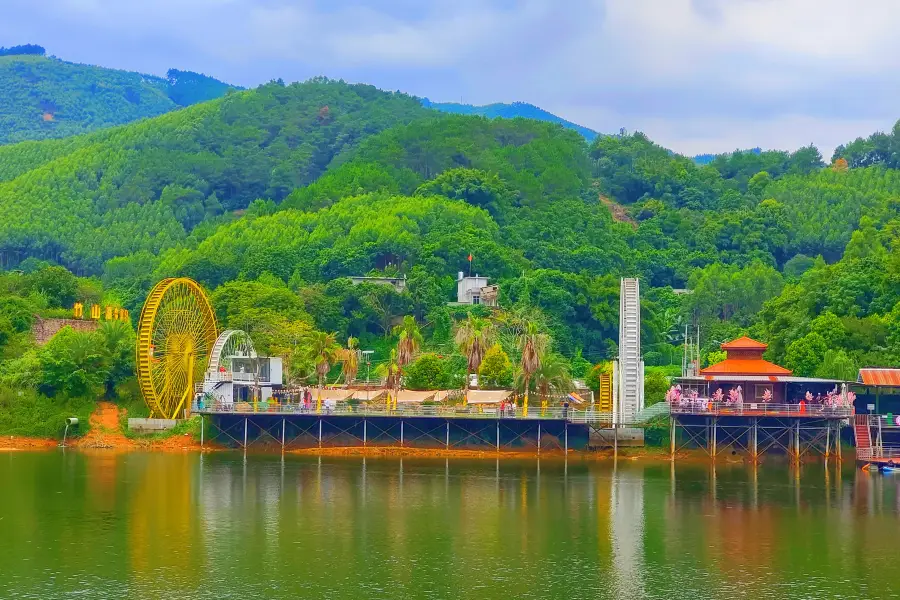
column 604, row 402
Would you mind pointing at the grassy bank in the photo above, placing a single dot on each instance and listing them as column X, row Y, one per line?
column 30, row 414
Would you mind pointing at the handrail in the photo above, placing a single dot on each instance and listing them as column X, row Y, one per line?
column 439, row 411
column 701, row 407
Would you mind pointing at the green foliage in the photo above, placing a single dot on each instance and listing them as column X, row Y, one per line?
column 144, row 186
column 427, row 372
column 496, row 370
column 806, row 354
column 28, row 413
column 656, row 383
column 73, row 364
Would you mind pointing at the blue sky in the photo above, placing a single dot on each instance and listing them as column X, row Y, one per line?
column 695, row 75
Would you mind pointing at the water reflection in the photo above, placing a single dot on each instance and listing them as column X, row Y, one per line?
column 239, row 526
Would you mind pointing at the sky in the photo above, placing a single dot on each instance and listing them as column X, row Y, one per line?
column 695, row 75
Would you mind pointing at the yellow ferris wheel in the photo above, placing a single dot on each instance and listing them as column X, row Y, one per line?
column 176, row 333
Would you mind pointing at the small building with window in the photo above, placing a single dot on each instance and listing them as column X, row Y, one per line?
column 759, row 380
column 475, row 290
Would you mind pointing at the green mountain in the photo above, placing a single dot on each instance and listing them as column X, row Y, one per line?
column 145, row 186
column 43, row 97
column 510, row 111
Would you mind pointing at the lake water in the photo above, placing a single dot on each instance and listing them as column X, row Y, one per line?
column 225, row 526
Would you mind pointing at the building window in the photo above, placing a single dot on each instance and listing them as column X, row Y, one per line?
column 476, row 299
column 760, row 391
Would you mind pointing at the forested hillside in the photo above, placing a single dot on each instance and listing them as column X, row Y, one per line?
column 44, row 97
column 146, row 186
column 272, row 197
column 510, row 111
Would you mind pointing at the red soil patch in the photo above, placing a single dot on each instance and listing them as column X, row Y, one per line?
column 619, row 213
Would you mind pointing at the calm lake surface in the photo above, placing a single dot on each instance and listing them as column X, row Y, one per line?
column 225, row 526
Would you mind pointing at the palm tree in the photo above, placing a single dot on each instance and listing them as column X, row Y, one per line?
column 552, row 377
column 409, row 342
column 533, row 346
column 350, row 359
column 473, row 337
column 391, row 373
column 323, row 351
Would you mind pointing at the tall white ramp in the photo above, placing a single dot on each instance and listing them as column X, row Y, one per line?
column 630, row 392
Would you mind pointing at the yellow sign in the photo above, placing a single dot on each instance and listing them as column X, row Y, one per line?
column 112, row 313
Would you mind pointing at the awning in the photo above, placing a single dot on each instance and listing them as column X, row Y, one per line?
column 757, row 379
column 487, row 396
column 879, row 377
column 335, row 395
column 442, row 395
column 414, row 397
column 576, row 398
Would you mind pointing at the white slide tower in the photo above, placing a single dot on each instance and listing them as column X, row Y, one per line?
column 629, row 369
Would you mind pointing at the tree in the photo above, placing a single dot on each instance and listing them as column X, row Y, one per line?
column 496, row 370
column 390, row 371
column 551, row 377
column 473, row 337
column 806, row 354
column 350, row 360
column 73, row 364
column 533, row 345
column 427, row 372
column 837, row 364
column 322, row 351
column 409, row 340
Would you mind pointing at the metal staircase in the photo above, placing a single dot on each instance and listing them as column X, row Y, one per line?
column 630, row 390
column 605, row 400
column 863, row 437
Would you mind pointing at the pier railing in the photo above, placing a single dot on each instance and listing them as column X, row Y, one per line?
column 874, row 452
column 759, row 409
column 416, row 410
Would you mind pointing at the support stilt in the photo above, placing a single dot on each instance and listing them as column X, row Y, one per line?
column 320, row 433
column 447, row 444
column 498, row 435
column 827, row 444
column 567, row 438
column 615, row 440
column 245, row 432
column 539, row 437
column 837, row 442
column 712, row 441
column 283, row 427
column 401, row 434
column 672, row 437
column 201, row 431
column 365, row 432
column 754, row 440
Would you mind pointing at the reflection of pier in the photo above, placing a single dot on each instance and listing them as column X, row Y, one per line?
column 409, row 427
column 795, row 430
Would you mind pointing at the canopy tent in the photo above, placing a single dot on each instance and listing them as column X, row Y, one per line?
column 333, row 395
column 487, row 396
column 442, row 395
column 414, row 397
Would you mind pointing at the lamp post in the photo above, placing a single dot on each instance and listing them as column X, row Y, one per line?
column 368, row 356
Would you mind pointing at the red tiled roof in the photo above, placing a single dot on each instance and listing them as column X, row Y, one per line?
column 745, row 366
column 744, row 343
column 880, row 377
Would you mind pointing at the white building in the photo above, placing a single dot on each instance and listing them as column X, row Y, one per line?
column 235, row 370
column 475, row 290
